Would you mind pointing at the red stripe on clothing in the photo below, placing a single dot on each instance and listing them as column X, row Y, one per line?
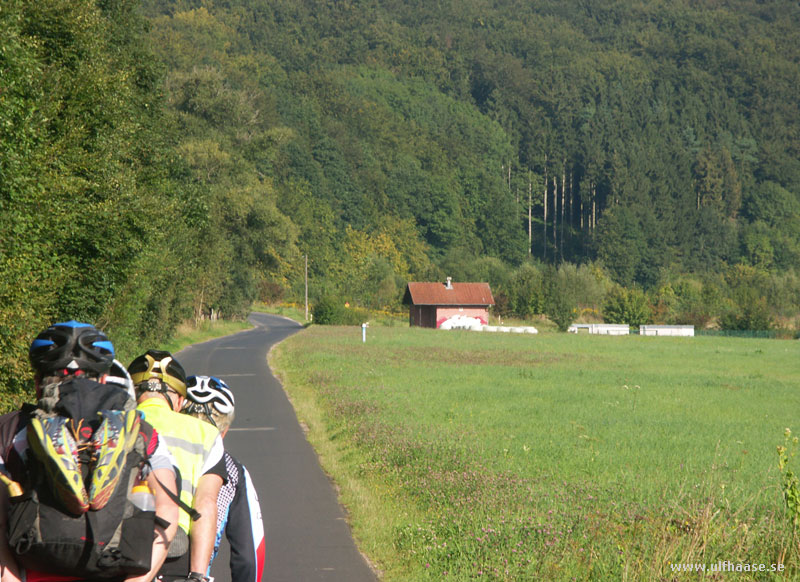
column 33, row 576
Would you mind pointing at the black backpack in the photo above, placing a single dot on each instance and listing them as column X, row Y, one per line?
column 110, row 538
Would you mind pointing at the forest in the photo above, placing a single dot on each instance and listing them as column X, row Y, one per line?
column 163, row 160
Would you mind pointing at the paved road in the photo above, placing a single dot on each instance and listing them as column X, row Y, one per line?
column 307, row 536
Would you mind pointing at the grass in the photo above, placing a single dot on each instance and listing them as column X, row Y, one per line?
column 291, row 310
column 554, row 456
column 187, row 333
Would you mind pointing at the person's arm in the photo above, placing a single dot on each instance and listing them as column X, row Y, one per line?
column 245, row 532
column 204, row 529
column 9, row 571
column 166, row 509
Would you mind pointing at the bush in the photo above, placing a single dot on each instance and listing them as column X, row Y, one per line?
column 750, row 315
column 628, row 306
column 561, row 311
column 526, row 296
column 748, row 308
column 686, row 301
column 561, row 303
column 333, row 311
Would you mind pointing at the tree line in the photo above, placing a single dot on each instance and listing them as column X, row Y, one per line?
column 163, row 159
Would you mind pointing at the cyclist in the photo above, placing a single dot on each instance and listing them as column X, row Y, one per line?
column 238, row 510
column 71, row 361
column 197, row 448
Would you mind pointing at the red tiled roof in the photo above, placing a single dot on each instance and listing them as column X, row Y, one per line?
column 439, row 294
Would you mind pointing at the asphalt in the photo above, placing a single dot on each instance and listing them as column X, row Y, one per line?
column 307, row 535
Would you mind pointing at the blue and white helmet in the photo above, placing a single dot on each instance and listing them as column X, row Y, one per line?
column 203, row 392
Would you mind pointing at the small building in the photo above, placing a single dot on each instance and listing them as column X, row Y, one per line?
column 432, row 304
column 600, row 328
column 673, row 330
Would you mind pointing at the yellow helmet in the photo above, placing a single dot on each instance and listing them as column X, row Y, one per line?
column 156, row 364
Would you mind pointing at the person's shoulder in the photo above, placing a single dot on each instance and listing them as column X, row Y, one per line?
column 229, row 458
column 232, row 463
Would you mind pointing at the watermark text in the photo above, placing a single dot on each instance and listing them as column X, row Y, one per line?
column 727, row 566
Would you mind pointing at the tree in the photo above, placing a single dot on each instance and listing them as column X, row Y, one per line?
column 561, row 305
column 747, row 307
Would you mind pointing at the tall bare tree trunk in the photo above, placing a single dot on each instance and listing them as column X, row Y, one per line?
column 555, row 217
column 563, row 197
column 571, row 199
column 544, row 220
column 530, row 205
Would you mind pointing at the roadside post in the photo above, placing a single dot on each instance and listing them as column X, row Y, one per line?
column 364, row 332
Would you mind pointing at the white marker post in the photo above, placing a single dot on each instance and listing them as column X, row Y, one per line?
column 364, row 332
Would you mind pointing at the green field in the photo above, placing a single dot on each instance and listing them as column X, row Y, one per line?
column 463, row 455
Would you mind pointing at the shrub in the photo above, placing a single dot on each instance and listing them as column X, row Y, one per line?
column 751, row 314
column 331, row 310
column 561, row 311
column 629, row 306
column 561, row 302
column 748, row 308
column 325, row 311
column 526, row 291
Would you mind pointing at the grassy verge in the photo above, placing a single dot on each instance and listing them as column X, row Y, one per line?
column 297, row 313
column 558, row 457
column 188, row 334
column 290, row 310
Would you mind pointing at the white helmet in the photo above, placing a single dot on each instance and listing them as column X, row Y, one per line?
column 119, row 376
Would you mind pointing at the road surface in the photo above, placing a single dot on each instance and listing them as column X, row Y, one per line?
column 307, row 536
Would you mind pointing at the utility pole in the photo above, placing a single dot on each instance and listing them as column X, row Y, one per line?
column 306, row 256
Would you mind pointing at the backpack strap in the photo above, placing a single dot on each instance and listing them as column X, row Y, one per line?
column 150, row 435
column 193, row 513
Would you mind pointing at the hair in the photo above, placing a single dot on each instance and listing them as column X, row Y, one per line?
column 223, row 421
column 46, row 381
column 49, row 388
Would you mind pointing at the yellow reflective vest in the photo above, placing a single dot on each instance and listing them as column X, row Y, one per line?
column 189, row 440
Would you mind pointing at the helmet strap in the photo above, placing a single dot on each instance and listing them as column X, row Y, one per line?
column 165, row 394
column 203, row 408
column 156, row 385
column 209, row 416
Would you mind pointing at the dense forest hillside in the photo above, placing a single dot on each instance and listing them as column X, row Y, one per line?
column 160, row 159
column 655, row 138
